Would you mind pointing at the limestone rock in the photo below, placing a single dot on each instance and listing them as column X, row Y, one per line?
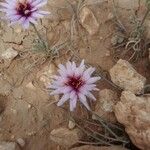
column 117, row 39
column 110, row 16
column 8, row 55
column 134, row 113
column 65, row 137
column 8, row 146
column 87, row 147
column 105, row 104
column 125, row 76
column 71, row 125
column 88, row 20
column 21, row 142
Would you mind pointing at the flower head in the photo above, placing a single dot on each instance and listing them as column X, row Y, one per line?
column 23, row 11
column 74, row 83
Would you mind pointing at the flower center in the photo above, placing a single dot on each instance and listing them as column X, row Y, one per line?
column 75, row 82
column 24, row 9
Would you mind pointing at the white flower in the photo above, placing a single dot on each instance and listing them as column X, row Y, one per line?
column 74, row 83
column 23, row 11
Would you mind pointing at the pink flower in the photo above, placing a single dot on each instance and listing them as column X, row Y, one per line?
column 23, row 11
column 74, row 83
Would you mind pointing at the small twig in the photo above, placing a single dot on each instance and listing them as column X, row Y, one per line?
column 89, row 143
column 108, row 138
column 104, row 125
column 89, row 134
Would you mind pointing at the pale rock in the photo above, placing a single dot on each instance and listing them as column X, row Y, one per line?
column 29, row 106
column 65, row 137
column 110, row 16
column 105, row 105
column 134, row 113
column 117, row 39
column 71, row 125
column 126, row 77
column 21, row 142
column 88, row 21
column 12, row 137
column 108, row 53
column 88, row 147
column 8, row 56
column 8, row 146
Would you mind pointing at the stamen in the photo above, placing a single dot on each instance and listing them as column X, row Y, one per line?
column 24, row 9
column 75, row 82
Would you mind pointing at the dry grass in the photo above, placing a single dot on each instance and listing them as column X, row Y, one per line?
column 135, row 43
column 101, row 132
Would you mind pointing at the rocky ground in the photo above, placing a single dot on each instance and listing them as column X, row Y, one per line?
column 105, row 34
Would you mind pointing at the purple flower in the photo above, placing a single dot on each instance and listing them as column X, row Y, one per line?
column 23, row 11
column 74, row 83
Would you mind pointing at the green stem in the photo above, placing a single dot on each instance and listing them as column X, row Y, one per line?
column 39, row 36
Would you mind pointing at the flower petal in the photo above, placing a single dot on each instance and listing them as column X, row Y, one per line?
column 87, row 73
column 83, row 100
column 73, row 103
column 93, row 80
column 12, row 14
column 44, row 12
column 63, row 99
column 26, row 24
column 91, row 96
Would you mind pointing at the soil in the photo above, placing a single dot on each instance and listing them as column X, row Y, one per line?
column 27, row 109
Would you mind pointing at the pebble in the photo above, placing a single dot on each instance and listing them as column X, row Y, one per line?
column 12, row 136
column 71, row 125
column 117, row 39
column 21, row 142
column 29, row 106
column 110, row 16
column 88, row 20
